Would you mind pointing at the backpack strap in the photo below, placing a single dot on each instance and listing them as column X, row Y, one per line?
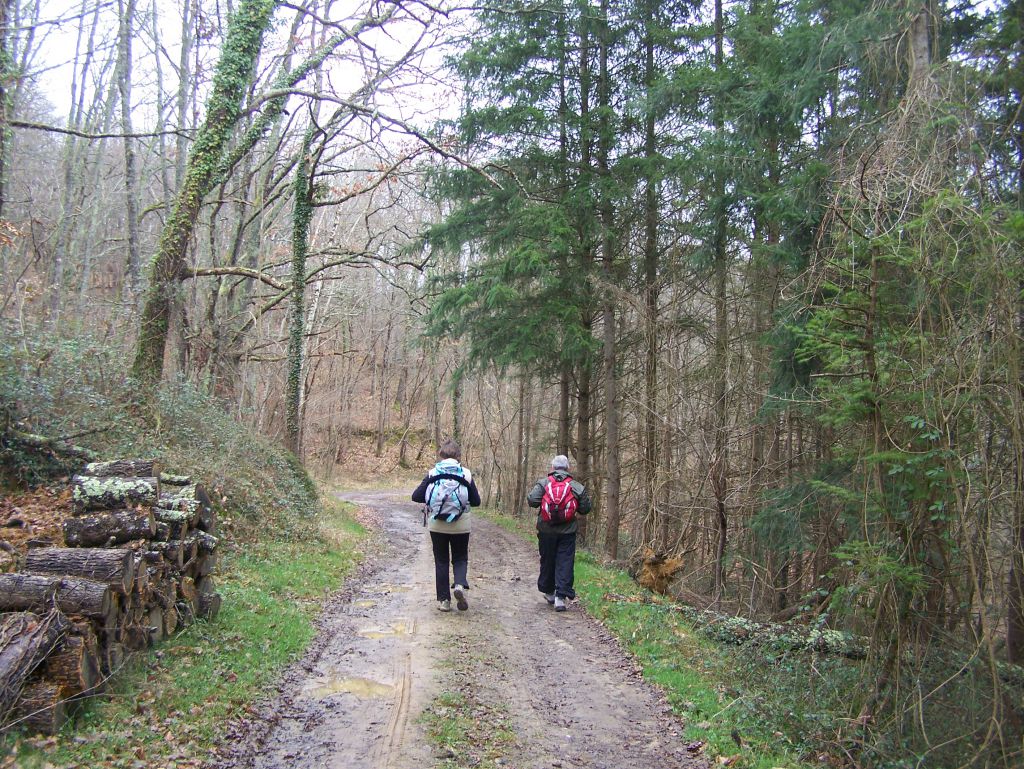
column 448, row 476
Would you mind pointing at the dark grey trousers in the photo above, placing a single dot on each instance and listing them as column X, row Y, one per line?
column 557, row 561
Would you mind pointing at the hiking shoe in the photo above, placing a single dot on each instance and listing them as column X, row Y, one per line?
column 559, row 603
column 445, row 605
column 549, row 597
column 460, row 597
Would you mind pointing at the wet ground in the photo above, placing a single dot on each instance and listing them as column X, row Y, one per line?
column 565, row 693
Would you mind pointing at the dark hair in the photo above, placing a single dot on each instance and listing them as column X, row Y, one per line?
column 449, row 450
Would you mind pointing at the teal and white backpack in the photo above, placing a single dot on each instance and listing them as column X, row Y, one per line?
column 448, row 493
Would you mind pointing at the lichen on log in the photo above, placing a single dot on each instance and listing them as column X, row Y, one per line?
column 92, row 493
column 181, row 519
column 127, row 468
column 43, row 443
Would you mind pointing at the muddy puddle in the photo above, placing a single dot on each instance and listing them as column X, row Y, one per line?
column 364, row 688
column 399, row 628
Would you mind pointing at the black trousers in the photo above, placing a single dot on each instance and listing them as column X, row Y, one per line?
column 557, row 561
column 458, row 545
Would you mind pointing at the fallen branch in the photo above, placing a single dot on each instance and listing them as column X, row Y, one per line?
column 53, row 445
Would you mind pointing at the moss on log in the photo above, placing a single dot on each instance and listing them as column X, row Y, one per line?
column 175, row 480
column 52, row 445
column 91, row 493
column 107, row 529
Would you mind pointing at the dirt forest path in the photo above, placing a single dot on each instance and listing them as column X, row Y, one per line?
column 543, row 689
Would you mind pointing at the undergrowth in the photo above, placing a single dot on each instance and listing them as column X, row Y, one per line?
column 77, row 390
column 170, row 706
column 759, row 705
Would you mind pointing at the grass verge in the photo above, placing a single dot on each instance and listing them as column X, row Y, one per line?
column 168, row 707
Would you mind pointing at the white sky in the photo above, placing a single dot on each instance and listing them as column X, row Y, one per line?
column 63, row 28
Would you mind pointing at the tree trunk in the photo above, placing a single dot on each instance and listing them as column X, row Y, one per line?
column 564, row 421
column 302, row 212
column 76, row 664
column 108, row 529
column 1015, row 586
column 114, row 567
column 208, row 601
column 91, row 493
column 25, row 641
column 719, row 460
column 612, row 468
column 649, row 466
column 7, row 78
column 172, row 524
column 126, row 468
column 242, row 46
column 126, row 12
column 41, row 708
column 27, row 592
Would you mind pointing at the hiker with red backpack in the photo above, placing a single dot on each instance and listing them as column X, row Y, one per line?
column 447, row 493
column 561, row 501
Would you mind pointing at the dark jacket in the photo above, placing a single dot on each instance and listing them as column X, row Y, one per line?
column 583, row 503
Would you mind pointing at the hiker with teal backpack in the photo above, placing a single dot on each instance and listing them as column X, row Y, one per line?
column 447, row 493
column 561, row 500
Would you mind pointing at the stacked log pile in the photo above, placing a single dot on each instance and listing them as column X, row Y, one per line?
column 136, row 567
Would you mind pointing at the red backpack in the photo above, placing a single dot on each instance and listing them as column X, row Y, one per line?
column 558, row 505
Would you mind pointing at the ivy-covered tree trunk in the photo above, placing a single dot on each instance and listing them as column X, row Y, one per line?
column 7, row 74
column 302, row 212
column 126, row 10
column 233, row 75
